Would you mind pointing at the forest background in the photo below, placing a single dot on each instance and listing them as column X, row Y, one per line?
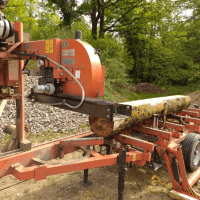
column 141, row 41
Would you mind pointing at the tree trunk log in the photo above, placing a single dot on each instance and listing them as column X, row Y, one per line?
column 141, row 111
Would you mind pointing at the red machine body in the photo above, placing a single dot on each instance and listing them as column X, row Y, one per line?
column 9, row 72
column 76, row 56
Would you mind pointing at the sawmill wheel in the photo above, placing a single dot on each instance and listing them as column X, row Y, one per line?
column 191, row 151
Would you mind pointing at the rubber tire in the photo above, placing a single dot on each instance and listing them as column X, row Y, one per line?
column 188, row 148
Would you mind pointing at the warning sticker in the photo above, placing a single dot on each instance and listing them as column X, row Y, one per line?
column 134, row 157
column 77, row 74
column 49, row 46
column 68, row 52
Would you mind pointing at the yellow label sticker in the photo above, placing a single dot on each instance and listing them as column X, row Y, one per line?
column 49, row 46
column 134, row 157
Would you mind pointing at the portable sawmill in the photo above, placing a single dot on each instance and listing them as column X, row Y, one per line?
column 70, row 76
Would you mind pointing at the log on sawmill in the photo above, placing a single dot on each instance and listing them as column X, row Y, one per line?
column 141, row 111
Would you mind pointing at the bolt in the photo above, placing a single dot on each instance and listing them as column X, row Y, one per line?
column 58, row 66
column 162, row 151
column 61, row 73
column 70, row 81
column 178, row 187
column 70, row 66
column 82, row 82
column 29, row 49
column 108, row 116
column 83, row 67
column 76, row 66
column 33, row 50
column 108, row 110
column 128, row 107
column 36, row 49
column 16, row 83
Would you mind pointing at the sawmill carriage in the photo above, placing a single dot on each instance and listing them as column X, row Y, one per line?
column 71, row 77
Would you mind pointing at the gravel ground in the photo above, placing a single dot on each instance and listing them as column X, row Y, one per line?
column 41, row 117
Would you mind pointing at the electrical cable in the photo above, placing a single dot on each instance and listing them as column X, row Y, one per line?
column 48, row 59
column 13, row 185
column 83, row 92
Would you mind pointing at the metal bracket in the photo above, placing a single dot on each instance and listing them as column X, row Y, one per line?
column 155, row 162
column 26, row 145
column 155, row 120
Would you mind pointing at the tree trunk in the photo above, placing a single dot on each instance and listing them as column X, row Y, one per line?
column 141, row 111
column 101, row 32
column 94, row 23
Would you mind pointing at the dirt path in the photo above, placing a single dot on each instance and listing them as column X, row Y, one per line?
column 138, row 183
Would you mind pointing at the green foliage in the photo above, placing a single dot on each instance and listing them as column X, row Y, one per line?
column 22, row 11
column 52, row 29
column 68, row 9
column 157, row 43
column 115, row 57
column 47, row 26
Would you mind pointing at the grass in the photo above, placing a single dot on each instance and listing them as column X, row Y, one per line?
column 52, row 180
column 84, row 125
column 182, row 90
column 70, row 130
column 44, row 137
column 31, row 64
column 48, row 135
column 117, row 94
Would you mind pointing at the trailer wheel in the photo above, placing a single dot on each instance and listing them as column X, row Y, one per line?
column 191, row 151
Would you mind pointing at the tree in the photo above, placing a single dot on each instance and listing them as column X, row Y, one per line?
column 150, row 39
column 68, row 9
column 107, row 14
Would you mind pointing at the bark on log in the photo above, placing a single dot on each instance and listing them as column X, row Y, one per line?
column 141, row 111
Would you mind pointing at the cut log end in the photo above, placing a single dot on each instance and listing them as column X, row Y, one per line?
column 100, row 126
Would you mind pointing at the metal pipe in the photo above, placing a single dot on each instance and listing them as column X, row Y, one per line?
column 20, row 121
column 194, row 177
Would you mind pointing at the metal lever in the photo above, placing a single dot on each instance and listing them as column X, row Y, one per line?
column 155, row 121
